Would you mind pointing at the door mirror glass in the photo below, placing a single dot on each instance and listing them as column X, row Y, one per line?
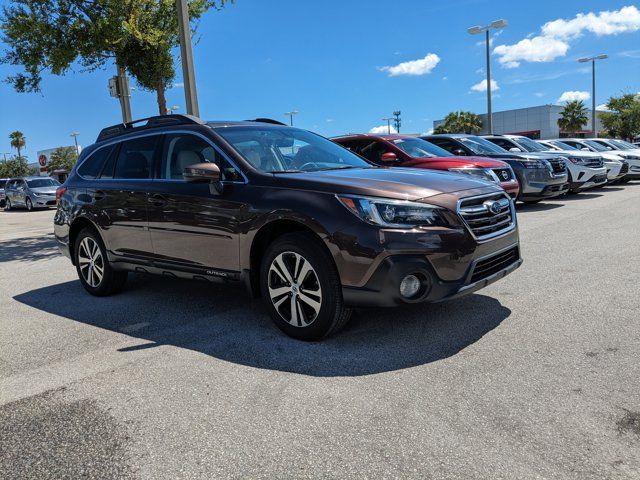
column 459, row 151
column 585, row 149
column 202, row 172
column 389, row 157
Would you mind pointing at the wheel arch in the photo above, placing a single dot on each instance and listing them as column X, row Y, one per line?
column 76, row 227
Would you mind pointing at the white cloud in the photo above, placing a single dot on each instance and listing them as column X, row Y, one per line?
column 429, row 132
column 554, row 39
column 414, row 67
column 539, row 94
column 602, row 107
column 482, row 86
column 178, row 85
column 536, row 49
column 574, row 95
column 382, row 129
column 329, row 120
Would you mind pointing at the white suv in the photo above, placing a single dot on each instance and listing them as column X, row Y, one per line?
column 586, row 169
column 617, row 167
column 626, row 150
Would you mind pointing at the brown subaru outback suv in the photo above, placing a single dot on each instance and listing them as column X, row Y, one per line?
column 303, row 222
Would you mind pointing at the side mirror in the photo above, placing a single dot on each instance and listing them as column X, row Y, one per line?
column 204, row 173
column 515, row 149
column 459, row 152
column 389, row 157
column 201, row 173
column 585, row 149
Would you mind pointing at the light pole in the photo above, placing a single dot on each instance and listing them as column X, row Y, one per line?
column 75, row 139
column 593, row 87
column 388, row 120
column 496, row 24
column 172, row 109
column 186, row 54
column 290, row 115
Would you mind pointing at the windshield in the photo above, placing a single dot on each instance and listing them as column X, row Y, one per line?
column 2, row 183
column 481, row 145
column 416, row 147
column 274, row 149
column 562, row 145
column 622, row 145
column 596, row 146
column 43, row 182
column 529, row 144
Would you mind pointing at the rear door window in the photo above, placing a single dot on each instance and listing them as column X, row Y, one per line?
column 93, row 165
column 136, row 158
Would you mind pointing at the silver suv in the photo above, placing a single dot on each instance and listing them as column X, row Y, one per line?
column 30, row 192
column 3, row 182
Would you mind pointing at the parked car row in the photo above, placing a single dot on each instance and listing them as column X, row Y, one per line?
column 28, row 192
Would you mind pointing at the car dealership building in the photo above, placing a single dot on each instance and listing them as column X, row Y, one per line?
column 534, row 122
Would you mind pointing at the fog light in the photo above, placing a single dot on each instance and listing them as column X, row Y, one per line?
column 409, row 286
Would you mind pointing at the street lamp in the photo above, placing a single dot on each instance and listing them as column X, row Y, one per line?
column 388, row 120
column 75, row 139
column 172, row 109
column 593, row 87
column 290, row 115
column 496, row 25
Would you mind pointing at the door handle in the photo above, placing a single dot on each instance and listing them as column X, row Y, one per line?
column 99, row 195
column 157, row 200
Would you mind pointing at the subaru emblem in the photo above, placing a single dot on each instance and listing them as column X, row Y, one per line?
column 495, row 207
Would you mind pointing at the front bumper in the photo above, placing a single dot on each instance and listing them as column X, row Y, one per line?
column 43, row 200
column 382, row 289
column 540, row 183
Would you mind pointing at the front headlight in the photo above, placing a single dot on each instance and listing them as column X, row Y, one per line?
column 534, row 163
column 576, row 160
column 480, row 173
column 394, row 213
column 630, row 157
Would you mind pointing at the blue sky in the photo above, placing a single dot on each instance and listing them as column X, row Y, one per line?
column 326, row 59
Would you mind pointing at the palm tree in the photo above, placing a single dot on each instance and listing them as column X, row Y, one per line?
column 18, row 141
column 460, row 122
column 573, row 116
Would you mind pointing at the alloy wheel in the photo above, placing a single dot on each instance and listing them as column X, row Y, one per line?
column 28, row 204
column 294, row 289
column 90, row 261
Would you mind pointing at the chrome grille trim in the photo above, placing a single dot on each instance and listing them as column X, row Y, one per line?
column 481, row 222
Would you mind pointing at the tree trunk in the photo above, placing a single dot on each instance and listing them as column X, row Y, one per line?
column 162, row 101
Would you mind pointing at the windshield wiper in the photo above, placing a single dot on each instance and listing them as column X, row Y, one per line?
column 286, row 171
column 341, row 167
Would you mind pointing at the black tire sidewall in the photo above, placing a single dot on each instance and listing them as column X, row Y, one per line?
column 332, row 303
column 109, row 279
column 28, row 204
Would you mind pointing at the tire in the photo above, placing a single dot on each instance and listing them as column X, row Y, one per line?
column 319, row 308
column 28, row 204
column 90, row 257
column 625, row 180
column 7, row 205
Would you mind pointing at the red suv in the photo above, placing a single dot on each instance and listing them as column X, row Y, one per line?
column 408, row 151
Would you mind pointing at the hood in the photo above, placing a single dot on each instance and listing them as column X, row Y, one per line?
column 44, row 190
column 455, row 162
column 576, row 153
column 609, row 156
column 520, row 155
column 388, row 182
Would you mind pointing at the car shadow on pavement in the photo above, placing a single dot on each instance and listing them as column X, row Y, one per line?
column 578, row 196
column 28, row 249
column 221, row 321
column 535, row 207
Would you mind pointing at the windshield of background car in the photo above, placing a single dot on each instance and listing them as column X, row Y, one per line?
column 2, row 183
column 43, row 182
column 562, row 145
column 416, row 147
column 622, row 145
column 481, row 145
column 287, row 150
column 530, row 145
column 596, row 146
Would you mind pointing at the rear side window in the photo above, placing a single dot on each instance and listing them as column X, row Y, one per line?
column 92, row 166
column 135, row 159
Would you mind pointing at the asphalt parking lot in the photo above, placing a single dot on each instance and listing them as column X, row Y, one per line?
column 537, row 376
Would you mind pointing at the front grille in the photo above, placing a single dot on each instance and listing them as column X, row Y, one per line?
column 503, row 174
column 598, row 178
column 593, row 162
column 558, row 165
column 487, row 215
column 487, row 267
column 625, row 168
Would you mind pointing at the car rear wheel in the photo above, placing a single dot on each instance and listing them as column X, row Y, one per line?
column 301, row 288
column 7, row 205
column 28, row 204
column 96, row 274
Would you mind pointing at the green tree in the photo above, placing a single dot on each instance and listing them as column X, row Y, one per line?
column 460, row 122
column 18, row 141
column 573, row 116
column 623, row 118
column 15, row 166
column 138, row 35
column 62, row 158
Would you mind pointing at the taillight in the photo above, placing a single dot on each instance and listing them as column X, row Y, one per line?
column 59, row 193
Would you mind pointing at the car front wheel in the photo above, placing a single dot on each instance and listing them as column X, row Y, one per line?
column 28, row 204
column 301, row 288
column 7, row 205
column 96, row 274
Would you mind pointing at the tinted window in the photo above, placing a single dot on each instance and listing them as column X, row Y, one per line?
column 530, row 145
column 481, row 145
column 417, row 147
column 135, row 159
column 2, row 183
column 444, row 143
column 43, row 182
column 374, row 150
column 506, row 144
column 92, row 166
column 182, row 150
